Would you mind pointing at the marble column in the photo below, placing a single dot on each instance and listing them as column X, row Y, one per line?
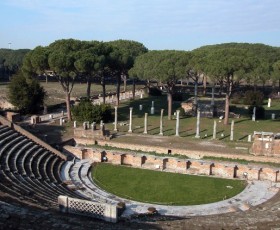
column 197, row 124
column 254, row 114
column 152, row 108
column 177, row 122
column 249, row 138
column 195, row 93
column 130, row 120
column 161, row 123
column 215, row 130
column 231, row 130
column 269, row 103
column 146, row 124
column 116, row 118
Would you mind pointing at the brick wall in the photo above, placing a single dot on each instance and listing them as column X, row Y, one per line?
column 186, row 166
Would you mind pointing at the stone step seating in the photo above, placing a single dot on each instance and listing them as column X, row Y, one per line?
column 7, row 136
column 4, row 128
column 5, row 151
column 10, row 155
column 9, row 187
column 78, row 173
column 26, row 191
column 30, row 172
column 21, row 158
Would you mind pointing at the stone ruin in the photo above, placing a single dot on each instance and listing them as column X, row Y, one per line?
column 266, row 144
column 207, row 109
column 90, row 131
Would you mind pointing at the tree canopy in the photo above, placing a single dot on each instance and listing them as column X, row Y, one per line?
column 165, row 67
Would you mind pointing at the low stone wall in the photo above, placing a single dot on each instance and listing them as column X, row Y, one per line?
column 31, row 136
column 101, row 211
column 186, row 166
column 190, row 153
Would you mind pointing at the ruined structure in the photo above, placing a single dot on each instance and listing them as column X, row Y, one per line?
column 173, row 164
column 266, row 144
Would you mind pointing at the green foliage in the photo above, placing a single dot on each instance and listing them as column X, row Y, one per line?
column 86, row 111
column 154, row 91
column 253, row 98
column 260, row 111
column 26, row 94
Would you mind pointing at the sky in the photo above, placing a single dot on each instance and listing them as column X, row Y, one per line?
column 158, row 24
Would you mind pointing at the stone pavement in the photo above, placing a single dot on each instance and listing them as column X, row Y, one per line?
column 256, row 192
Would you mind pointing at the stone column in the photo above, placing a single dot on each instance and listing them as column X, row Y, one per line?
column 93, row 126
column 61, row 121
column 195, row 93
column 249, row 138
column 130, row 120
column 75, row 124
column 161, row 123
column 254, row 114
column 269, row 103
column 146, row 124
column 197, row 124
column 177, row 122
column 215, row 130
column 231, row 130
column 152, row 108
column 116, row 118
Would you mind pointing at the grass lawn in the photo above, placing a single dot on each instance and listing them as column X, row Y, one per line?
column 162, row 187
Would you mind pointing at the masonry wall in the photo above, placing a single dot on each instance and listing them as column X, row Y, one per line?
column 185, row 166
column 190, row 153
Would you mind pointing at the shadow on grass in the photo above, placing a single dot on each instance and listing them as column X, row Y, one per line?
column 222, row 138
column 241, row 138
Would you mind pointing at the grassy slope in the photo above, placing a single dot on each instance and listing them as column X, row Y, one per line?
column 162, row 187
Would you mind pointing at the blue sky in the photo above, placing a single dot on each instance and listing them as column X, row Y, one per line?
column 158, row 24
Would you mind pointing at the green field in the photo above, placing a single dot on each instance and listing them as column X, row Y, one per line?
column 162, row 187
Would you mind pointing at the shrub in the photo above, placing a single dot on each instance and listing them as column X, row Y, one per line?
column 154, row 91
column 86, row 111
column 260, row 111
column 182, row 112
column 253, row 98
column 26, row 93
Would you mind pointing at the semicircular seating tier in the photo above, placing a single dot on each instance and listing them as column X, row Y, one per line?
column 30, row 173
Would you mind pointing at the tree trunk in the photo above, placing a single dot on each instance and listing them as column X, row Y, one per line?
column 68, row 107
column 255, row 87
column 226, row 109
column 46, row 79
column 204, row 84
column 88, row 86
column 133, row 89
column 169, row 97
column 104, row 91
